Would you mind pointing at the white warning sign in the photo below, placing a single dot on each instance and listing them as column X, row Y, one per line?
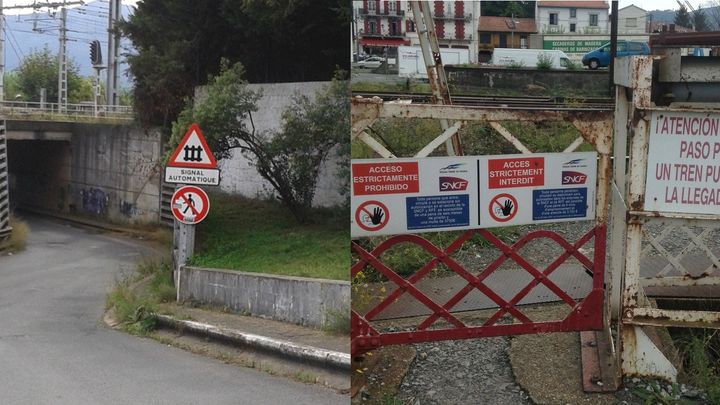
column 683, row 173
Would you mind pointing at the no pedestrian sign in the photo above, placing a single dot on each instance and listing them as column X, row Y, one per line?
column 190, row 205
column 401, row 196
column 192, row 162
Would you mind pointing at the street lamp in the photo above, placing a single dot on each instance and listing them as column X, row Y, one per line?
column 513, row 26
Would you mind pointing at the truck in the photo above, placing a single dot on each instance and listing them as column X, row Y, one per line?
column 411, row 64
column 529, row 57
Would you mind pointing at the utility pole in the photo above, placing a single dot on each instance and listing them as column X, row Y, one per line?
column 62, row 61
column 2, row 52
column 113, row 48
column 62, row 53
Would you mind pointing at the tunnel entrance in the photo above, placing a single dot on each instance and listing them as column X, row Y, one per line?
column 39, row 174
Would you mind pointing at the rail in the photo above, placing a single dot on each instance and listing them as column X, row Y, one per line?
column 69, row 112
column 530, row 102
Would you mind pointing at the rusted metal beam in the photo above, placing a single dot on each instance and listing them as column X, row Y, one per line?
column 673, row 318
column 363, row 109
column 509, row 137
column 435, row 143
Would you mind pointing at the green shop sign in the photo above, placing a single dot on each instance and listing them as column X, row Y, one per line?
column 572, row 46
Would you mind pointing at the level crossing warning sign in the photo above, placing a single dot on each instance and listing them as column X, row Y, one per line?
column 454, row 193
column 192, row 162
column 190, row 205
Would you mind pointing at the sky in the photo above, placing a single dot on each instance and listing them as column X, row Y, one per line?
column 12, row 3
column 650, row 5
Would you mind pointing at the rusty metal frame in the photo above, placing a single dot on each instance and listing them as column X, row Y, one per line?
column 634, row 78
column 595, row 128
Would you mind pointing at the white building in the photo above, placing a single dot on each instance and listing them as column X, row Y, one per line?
column 569, row 17
column 632, row 20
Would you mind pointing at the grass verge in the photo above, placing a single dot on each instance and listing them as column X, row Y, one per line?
column 18, row 237
column 700, row 350
column 135, row 297
column 261, row 236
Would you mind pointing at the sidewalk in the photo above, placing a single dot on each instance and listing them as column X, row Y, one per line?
column 280, row 338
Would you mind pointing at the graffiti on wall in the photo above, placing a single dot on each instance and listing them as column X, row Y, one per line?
column 94, row 201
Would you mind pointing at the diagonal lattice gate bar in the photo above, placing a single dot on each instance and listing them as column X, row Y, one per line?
column 442, row 324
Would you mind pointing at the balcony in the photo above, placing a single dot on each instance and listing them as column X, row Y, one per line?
column 381, row 13
column 377, row 34
column 454, row 17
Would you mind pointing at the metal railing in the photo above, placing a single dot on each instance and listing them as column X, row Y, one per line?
column 68, row 112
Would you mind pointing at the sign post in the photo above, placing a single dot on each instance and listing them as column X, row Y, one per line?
column 192, row 162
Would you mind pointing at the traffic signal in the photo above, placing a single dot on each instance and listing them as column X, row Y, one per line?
column 95, row 53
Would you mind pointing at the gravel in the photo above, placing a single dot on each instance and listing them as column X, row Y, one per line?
column 475, row 371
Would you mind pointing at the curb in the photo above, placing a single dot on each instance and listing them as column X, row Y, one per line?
column 323, row 357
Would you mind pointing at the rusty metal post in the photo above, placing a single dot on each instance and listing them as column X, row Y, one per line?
column 433, row 63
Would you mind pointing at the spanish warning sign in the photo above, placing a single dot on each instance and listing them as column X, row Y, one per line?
column 385, row 178
column 401, row 196
column 683, row 173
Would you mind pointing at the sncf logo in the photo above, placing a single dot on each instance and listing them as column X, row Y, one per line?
column 452, row 184
column 573, row 178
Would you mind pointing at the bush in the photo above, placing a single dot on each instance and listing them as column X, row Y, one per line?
column 516, row 65
column 544, row 62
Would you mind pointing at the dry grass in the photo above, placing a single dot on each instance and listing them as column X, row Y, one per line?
column 18, row 237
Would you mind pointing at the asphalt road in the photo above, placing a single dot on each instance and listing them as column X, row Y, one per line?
column 54, row 348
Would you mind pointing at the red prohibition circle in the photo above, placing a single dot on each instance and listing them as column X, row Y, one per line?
column 197, row 215
column 496, row 200
column 362, row 208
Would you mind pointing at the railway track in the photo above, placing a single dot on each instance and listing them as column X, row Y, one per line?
column 528, row 102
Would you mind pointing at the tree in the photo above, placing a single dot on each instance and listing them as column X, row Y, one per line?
column 179, row 44
column 682, row 17
column 521, row 9
column 713, row 8
column 290, row 159
column 40, row 70
column 700, row 21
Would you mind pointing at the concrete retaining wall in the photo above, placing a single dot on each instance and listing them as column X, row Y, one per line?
column 239, row 175
column 530, row 81
column 303, row 301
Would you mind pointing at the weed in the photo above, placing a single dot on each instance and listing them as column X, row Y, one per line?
column 305, row 377
column 135, row 297
column 545, row 62
column 516, row 65
column 390, row 399
column 18, row 237
column 700, row 350
column 337, row 322
column 653, row 393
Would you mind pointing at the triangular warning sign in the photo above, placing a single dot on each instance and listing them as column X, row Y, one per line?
column 193, row 151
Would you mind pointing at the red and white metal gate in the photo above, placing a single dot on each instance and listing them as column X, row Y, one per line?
column 440, row 318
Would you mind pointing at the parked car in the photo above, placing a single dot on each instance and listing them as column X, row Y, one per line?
column 529, row 57
column 372, row 62
column 600, row 57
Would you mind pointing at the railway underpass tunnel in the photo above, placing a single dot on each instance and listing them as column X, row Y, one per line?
column 107, row 172
column 39, row 166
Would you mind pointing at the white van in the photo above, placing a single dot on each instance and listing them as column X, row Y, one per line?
column 412, row 65
column 528, row 58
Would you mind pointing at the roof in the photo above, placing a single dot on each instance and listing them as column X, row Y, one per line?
column 632, row 6
column 504, row 24
column 574, row 4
